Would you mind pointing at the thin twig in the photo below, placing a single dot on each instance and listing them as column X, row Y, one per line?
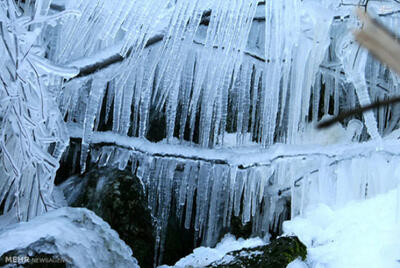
column 358, row 111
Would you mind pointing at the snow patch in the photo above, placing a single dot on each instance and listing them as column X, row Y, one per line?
column 204, row 256
column 361, row 234
column 297, row 263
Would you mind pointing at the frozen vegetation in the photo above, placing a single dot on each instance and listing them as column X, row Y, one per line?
column 211, row 103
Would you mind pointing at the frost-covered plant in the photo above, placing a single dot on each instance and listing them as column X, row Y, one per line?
column 32, row 131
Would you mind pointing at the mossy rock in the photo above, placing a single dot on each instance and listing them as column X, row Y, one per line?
column 117, row 197
column 278, row 254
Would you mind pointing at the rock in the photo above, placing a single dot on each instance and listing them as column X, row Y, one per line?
column 239, row 229
column 66, row 237
column 278, row 254
column 179, row 241
column 69, row 163
column 116, row 196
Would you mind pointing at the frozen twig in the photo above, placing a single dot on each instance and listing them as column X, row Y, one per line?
column 384, row 45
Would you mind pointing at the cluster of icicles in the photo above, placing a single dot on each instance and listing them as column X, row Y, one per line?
column 258, row 194
column 211, row 72
column 263, row 70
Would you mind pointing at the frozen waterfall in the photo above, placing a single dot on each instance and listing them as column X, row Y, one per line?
column 203, row 71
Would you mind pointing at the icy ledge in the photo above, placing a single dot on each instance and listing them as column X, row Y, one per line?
column 77, row 235
column 362, row 234
column 242, row 156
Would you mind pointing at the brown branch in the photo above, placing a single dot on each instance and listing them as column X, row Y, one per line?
column 360, row 110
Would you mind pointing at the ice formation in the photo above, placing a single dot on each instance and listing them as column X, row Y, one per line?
column 265, row 71
column 77, row 235
column 249, row 182
column 33, row 134
column 259, row 70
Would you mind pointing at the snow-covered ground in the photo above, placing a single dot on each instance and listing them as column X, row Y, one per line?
column 204, row 256
column 363, row 234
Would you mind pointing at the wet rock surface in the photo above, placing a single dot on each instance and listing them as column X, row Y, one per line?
column 117, row 197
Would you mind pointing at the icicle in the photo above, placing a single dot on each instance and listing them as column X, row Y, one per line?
column 120, row 158
column 184, row 187
column 254, row 103
column 202, row 196
column 95, row 99
column 193, row 178
column 240, row 182
column 354, row 61
column 216, row 199
column 187, row 88
column 247, row 196
column 105, row 156
column 274, row 19
column 232, row 185
column 165, row 182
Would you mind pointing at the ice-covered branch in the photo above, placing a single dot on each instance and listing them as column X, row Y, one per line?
column 110, row 56
column 106, row 58
column 242, row 157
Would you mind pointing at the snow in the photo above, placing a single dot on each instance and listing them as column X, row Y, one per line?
column 231, row 140
column 76, row 234
column 204, row 256
column 361, row 234
column 297, row 263
column 335, row 134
